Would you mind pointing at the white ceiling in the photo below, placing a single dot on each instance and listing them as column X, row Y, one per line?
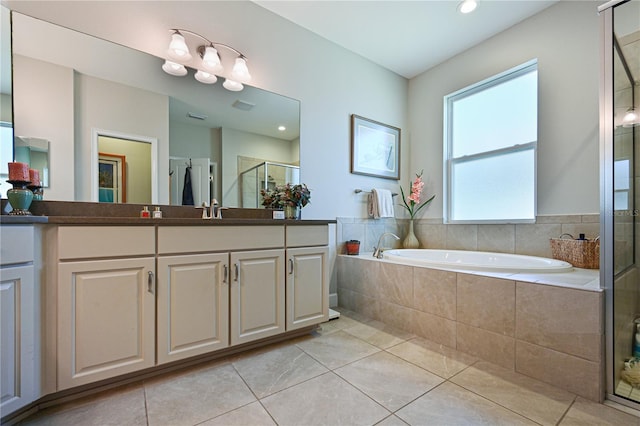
column 406, row 37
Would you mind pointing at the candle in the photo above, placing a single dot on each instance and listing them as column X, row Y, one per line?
column 19, row 172
column 34, row 177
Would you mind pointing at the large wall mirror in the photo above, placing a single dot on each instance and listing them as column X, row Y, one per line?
column 6, row 110
column 79, row 86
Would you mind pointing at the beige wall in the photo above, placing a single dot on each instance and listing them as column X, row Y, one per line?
column 99, row 105
column 46, row 101
column 564, row 38
column 330, row 82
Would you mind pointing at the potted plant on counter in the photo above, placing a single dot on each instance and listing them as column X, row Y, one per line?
column 290, row 198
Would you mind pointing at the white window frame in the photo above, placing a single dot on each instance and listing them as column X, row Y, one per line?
column 448, row 149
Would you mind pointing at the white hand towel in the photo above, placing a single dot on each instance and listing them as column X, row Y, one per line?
column 380, row 204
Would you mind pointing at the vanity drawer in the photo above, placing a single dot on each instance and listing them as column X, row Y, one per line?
column 78, row 242
column 185, row 239
column 17, row 244
column 307, row 235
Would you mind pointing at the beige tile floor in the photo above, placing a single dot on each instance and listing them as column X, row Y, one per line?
column 352, row 371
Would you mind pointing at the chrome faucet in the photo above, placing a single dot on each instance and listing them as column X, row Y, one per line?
column 377, row 251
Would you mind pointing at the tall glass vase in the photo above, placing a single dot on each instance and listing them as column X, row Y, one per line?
column 410, row 241
column 291, row 212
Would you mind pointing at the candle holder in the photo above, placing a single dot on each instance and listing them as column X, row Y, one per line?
column 38, row 192
column 20, row 197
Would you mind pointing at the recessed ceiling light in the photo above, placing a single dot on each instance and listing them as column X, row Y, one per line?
column 282, row 128
column 467, row 6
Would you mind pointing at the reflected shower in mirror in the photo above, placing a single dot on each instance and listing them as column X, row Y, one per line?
column 102, row 85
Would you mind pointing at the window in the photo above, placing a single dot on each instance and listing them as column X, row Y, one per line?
column 490, row 148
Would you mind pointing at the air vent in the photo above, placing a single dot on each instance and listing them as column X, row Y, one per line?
column 243, row 105
column 196, row 116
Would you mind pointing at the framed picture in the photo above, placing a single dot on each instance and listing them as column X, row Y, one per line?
column 112, row 178
column 375, row 148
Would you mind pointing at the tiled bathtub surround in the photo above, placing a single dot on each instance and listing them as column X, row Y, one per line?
column 529, row 239
column 553, row 334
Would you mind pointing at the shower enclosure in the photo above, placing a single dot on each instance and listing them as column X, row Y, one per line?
column 265, row 175
column 620, row 174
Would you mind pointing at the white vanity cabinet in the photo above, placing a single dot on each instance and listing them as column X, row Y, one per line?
column 307, row 275
column 126, row 298
column 232, row 293
column 19, row 318
column 257, row 295
column 193, row 305
column 105, row 302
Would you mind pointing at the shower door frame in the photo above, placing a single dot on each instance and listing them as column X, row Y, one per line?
column 607, row 232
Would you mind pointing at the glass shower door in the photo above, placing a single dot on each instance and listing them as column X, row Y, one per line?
column 619, row 213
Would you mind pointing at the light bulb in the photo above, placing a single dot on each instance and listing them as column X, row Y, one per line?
column 630, row 118
column 174, row 68
column 240, row 71
column 234, row 86
column 211, row 60
column 205, row 77
column 178, row 49
column 467, row 6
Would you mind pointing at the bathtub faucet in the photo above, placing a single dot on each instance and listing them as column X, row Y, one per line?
column 377, row 251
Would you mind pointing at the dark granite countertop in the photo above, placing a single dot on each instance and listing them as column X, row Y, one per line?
column 96, row 220
column 85, row 213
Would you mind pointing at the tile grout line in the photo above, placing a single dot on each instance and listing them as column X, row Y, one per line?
column 567, row 410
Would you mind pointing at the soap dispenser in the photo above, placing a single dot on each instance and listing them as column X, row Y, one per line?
column 145, row 212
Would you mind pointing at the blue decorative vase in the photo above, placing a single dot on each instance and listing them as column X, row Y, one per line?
column 20, row 198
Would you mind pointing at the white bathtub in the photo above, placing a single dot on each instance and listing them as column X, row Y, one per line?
column 476, row 260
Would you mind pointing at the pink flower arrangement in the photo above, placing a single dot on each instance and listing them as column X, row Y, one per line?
column 412, row 201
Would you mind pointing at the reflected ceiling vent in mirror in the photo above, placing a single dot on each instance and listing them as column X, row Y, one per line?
column 210, row 64
column 243, row 105
column 197, row 116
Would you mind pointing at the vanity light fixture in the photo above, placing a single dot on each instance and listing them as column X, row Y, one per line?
column 631, row 118
column 174, row 68
column 467, row 6
column 210, row 65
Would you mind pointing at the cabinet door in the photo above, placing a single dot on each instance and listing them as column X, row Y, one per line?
column 257, row 295
column 307, row 287
column 106, row 319
column 18, row 355
column 193, row 305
